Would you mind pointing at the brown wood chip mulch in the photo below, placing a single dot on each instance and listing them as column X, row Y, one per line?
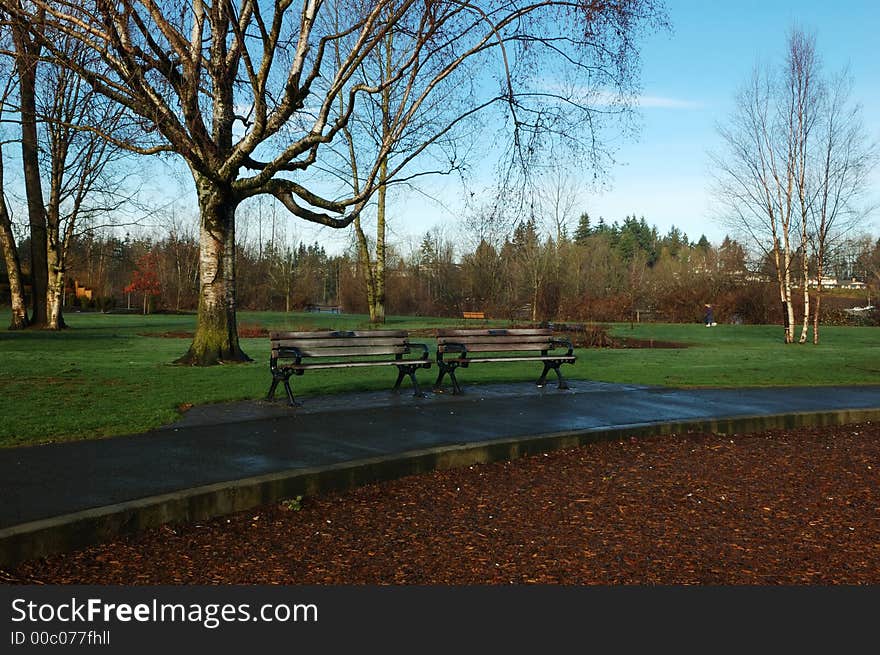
column 777, row 508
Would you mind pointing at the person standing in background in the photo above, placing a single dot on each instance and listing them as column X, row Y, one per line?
column 710, row 316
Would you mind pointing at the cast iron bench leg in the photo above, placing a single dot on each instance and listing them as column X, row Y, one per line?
column 440, row 377
column 562, row 383
column 555, row 366
column 271, row 394
column 456, row 388
column 543, row 379
column 400, row 374
column 450, row 369
column 290, row 399
column 409, row 370
column 417, row 393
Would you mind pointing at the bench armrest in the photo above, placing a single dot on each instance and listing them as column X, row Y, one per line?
column 426, row 352
column 286, row 352
column 456, row 347
column 565, row 343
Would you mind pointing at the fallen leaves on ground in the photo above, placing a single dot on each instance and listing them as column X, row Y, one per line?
column 779, row 508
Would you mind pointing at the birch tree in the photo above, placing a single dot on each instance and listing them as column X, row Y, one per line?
column 843, row 159
column 796, row 163
column 803, row 100
column 756, row 180
column 246, row 91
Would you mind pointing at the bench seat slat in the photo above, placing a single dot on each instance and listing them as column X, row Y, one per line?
column 304, row 367
column 477, row 360
column 497, row 347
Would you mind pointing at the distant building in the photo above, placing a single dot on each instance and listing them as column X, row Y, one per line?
column 82, row 293
column 827, row 282
column 834, row 283
column 853, row 284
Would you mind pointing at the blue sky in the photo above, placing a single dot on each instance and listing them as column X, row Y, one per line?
column 689, row 78
column 697, row 68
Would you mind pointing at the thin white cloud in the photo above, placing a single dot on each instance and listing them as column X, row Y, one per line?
column 642, row 100
column 666, row 103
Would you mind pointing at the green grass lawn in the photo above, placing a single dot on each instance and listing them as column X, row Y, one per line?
column 112, row 374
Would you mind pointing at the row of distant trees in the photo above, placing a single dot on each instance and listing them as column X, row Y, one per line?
column 594, row 271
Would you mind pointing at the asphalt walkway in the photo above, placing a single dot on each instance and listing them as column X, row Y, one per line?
column 220, row 443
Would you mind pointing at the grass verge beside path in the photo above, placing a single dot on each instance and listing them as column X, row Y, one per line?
column 112, row 374
column 740, row 356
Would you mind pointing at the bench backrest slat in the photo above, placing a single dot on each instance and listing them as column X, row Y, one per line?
column 338, row 334
column 365, row 342
column 308, row 351
column 487, row 340
column 528, row 338
column 495, row 332
column 340, row 343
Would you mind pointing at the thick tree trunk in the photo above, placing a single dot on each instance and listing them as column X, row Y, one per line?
column 216, row 337
column 27, row 55
column 13, row 265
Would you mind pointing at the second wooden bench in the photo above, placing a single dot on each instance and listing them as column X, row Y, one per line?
column 460, row 348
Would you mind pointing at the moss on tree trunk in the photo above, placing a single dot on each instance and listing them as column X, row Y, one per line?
column 216, row 337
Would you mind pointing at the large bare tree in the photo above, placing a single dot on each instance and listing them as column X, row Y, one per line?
column 247, row 93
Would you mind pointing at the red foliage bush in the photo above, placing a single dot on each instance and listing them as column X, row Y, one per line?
column 251, row 331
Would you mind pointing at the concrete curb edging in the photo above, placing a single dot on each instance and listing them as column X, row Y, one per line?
column 80, row 529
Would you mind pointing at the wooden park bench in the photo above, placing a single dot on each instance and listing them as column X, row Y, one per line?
column 315, row 350
column 460, row 348
column 473, row 315
column 331, row 309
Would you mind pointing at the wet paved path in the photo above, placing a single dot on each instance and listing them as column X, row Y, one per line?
column 228, row 442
